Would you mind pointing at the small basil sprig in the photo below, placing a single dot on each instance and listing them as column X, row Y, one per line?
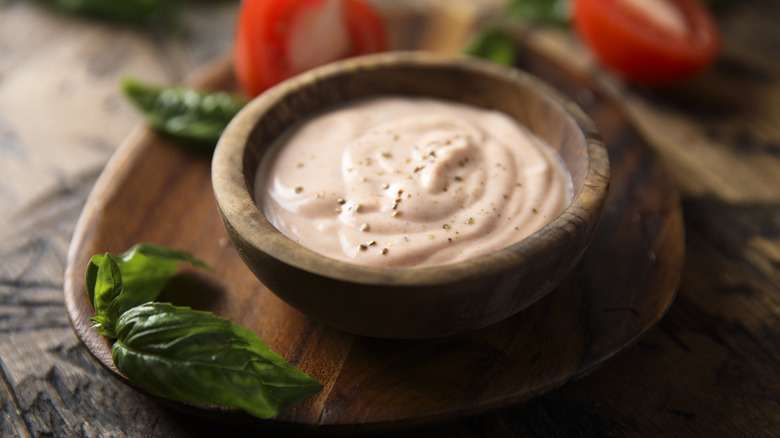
column 493, row 44
column 196, row 116
column 116, row 283
column 180, row 353
column 544, row 12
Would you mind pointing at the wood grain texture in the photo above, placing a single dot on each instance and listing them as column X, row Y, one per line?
column 709, row 368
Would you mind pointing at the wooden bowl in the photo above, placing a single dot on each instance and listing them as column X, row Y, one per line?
column 411, row 302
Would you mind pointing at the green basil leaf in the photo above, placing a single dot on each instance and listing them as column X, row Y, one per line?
column 193, row 356
column 195, row 116
column 91, row 276
column 493, row 44
column 107, row 287
column 161, row 253
column 141, row 273
column 545, row 12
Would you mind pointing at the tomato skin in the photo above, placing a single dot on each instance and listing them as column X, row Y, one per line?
column 245, row 44
column 264, row 28
column 642, row 51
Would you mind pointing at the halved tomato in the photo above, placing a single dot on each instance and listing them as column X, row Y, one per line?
column 276, row 39
column 649, row 41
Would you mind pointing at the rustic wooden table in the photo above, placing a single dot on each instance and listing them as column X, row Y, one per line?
column 711, row 367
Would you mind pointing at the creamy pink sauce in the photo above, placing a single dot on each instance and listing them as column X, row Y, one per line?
column 397, row 181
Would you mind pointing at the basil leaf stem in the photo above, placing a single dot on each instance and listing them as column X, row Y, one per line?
column 196, row 116
column 193, row 356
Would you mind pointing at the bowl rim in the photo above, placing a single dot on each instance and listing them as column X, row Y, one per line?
column 244, row 220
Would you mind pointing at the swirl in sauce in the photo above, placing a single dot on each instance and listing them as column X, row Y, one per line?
column 397, row 181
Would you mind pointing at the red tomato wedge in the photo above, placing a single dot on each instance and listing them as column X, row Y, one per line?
column 276, row 39
column 649, row 41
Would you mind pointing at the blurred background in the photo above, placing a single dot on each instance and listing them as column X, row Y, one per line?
column 62, row 116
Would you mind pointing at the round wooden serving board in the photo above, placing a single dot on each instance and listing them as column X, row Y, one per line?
column 155, row 191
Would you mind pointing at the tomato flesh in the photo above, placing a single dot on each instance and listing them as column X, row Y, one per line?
column 655, row 42
column 276, row 39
